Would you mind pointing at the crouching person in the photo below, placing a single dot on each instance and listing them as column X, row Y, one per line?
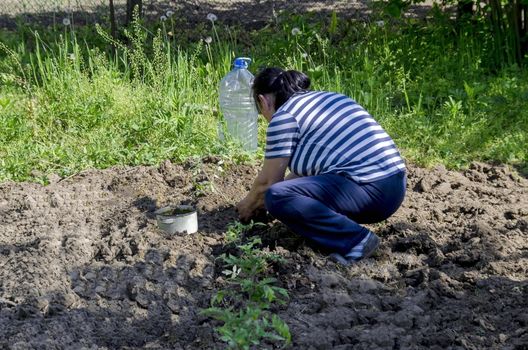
column 345, row 170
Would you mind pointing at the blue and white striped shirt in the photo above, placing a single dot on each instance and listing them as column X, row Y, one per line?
column 325, row 132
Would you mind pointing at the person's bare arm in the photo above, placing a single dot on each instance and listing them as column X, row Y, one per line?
column 272, row 172
column 291, row 176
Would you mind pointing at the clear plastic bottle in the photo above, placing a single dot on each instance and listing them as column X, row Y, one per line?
column 238, row 106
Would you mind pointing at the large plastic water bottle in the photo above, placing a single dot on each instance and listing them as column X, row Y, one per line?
column 238, row 106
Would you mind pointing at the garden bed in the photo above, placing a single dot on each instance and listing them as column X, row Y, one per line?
column 82, row 263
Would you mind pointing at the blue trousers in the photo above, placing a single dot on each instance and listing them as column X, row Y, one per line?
column 328, row 209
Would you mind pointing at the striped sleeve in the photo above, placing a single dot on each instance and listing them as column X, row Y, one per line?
column 282, row 136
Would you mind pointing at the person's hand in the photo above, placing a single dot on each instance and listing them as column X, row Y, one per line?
column 245, row 210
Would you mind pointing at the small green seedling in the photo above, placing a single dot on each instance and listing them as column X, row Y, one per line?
column 236, row 230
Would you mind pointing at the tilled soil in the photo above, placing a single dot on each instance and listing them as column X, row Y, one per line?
column 82, row 264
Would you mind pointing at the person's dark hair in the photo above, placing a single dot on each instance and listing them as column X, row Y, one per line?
column 282, row 83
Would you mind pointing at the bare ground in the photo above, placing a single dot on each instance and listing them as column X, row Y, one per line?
column 82, row 264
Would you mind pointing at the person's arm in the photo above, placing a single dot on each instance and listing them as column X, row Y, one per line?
column 272, row 172
column 291, row 176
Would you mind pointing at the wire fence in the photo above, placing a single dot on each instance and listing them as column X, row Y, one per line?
column 18, row 7
column 47, row 12
column 252, row 13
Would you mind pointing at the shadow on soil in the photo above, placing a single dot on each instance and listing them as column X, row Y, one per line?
column 522, row 169
column 114, row 307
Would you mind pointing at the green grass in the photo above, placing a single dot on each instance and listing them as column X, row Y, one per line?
column 68, row 101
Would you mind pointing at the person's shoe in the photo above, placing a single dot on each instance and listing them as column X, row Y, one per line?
column 362, row 250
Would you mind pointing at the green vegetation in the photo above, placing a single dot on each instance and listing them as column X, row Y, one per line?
column 243, row 306
column 69, row 99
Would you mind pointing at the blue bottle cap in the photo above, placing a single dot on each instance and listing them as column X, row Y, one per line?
column 242, row 62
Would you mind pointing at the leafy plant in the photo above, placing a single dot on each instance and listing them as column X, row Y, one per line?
column 249, row 296
column 246, row 327
column 235, row 230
